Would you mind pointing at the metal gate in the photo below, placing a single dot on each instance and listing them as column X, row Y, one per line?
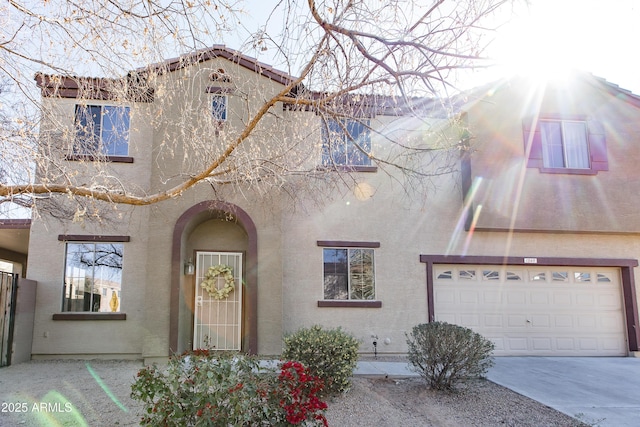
column 8, row 295
column 218, row 319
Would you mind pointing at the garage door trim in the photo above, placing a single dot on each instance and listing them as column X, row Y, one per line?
column 626, row 268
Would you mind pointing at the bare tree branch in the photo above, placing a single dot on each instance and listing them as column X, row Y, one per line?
column 386, row 66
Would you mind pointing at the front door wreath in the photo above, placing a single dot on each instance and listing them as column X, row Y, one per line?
column 210, row 282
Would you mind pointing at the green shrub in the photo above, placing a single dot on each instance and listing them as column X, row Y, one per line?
column 444, row 354
column 203, row 388
column 330, row 354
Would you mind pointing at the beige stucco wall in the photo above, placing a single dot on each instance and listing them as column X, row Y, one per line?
column 208, row 234
column 434, row 224
column 407, row 218
column 514, row 196
column 79, row 338
column 373, row 207
column 404, row 233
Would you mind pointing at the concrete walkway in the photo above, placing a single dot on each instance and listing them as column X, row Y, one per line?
column 374, row 368
column 602, row 391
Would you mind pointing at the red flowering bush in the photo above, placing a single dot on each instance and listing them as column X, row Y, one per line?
column 298, row 394
column 203, row 388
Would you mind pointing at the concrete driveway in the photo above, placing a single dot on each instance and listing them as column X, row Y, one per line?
column 602, row 391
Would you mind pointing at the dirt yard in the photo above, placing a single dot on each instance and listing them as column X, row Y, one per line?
column 96, row 393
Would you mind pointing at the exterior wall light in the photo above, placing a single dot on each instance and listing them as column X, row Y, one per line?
column 189, row 268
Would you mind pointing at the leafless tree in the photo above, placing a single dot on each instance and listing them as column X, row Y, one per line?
column 346, row 59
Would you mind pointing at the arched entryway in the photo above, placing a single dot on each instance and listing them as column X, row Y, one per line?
column 209, row 228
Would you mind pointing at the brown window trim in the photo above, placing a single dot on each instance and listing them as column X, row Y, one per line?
column 596, row 141
column 91, row 158
column 568, row 171
column 347, row 303
column 218, row 90
column 89, row 316
column 92, row 238
column 347, row 244
column 348, row 168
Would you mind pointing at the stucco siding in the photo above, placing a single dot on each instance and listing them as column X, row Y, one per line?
column 510, row 195
column 74, row 338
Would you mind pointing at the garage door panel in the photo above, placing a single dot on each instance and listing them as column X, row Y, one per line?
column 565, row 344
column 586, row 321
column 561, row 298
column 585, row 300
column 608, row 300
column 588, row 343
column 518, row 344
column 449, row 318
column 470, row 320
column 516, row 321
column 469, row 297
column 540, row 321
column 516, row 297
column 612, row 343
column 610, row 320
column 536, row 311
column 498, row 342
column 539, row 298
column 444, row 296
column 563, row 321
column 492, row 297
column 493, row 321
column 541, row 344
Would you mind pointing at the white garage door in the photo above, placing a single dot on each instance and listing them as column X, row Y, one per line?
column 527, row 310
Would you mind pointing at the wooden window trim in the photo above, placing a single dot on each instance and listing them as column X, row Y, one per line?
column 596, row 141
column 90, row 158
column 347, row 168
column 218, row 90
column 350, row 303
column 92, row 238
column 89, row 316
column 568, row 171
column 346, row 244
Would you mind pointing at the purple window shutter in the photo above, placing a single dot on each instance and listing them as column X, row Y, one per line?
column 531, row 135
column 598, row 146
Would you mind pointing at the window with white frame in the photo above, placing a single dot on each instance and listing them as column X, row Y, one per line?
column 564, row 144
column 346, row 142
column 219, row 107
column 102, row 129
column 93, row 277
column 348, row 273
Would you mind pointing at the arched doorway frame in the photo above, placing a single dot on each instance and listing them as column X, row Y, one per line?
column 250, row 318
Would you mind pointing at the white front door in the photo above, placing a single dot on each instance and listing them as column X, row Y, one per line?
column 218, row 322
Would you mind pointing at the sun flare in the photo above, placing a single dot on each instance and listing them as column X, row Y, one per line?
column 546, row 40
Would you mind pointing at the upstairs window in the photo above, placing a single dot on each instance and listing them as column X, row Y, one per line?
column 102, row 129
column 571, row 145
column 564, row 144
column 219, row 107
column 93, row 277
column 346, row 143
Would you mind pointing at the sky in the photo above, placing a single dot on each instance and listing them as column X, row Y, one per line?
column 549, row 36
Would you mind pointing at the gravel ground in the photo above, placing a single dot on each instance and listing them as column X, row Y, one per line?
column 96, row 393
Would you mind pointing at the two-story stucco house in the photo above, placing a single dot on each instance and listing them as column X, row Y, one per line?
column 531, row 240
